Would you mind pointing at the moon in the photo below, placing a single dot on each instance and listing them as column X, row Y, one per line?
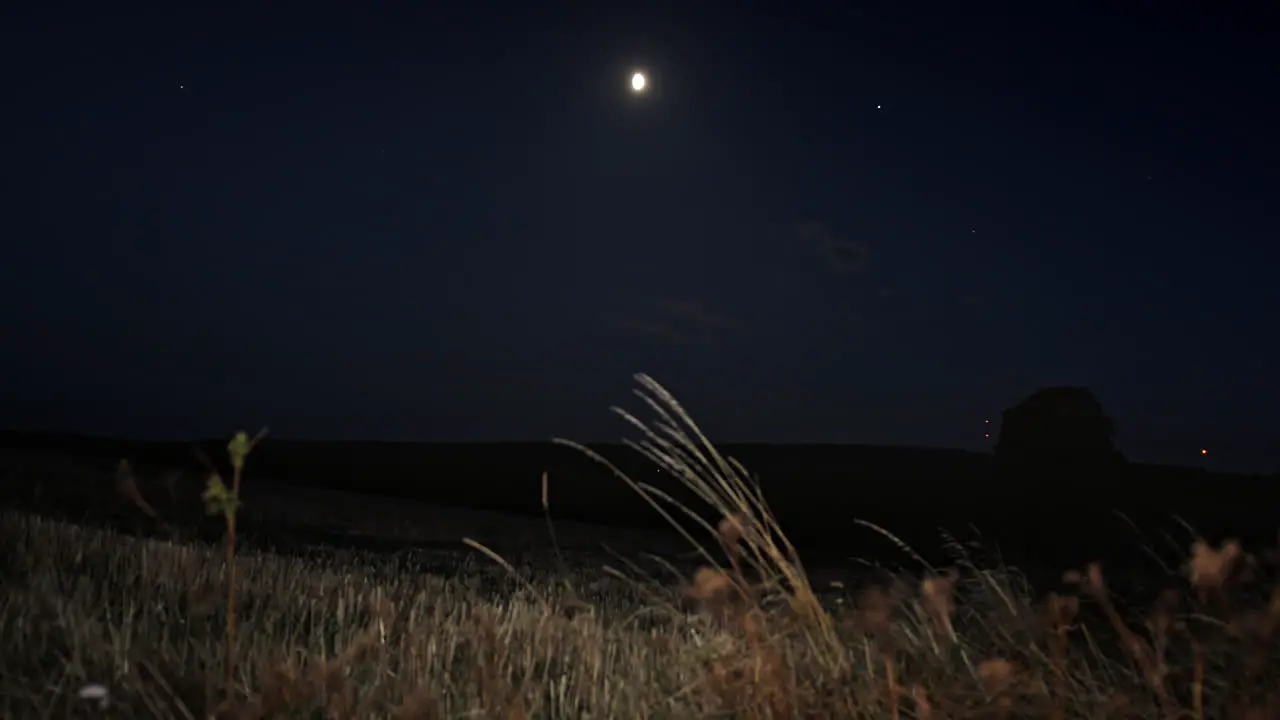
column 638, row 82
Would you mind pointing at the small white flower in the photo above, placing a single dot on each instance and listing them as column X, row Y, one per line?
column 96, row 692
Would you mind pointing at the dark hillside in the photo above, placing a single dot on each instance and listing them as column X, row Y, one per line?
column 816, row 490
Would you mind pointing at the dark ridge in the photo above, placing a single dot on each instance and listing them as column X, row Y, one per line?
column 1062, row 516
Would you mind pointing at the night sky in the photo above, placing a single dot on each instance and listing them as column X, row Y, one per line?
column 861, row 222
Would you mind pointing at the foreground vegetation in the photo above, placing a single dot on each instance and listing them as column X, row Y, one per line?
column 99, row 624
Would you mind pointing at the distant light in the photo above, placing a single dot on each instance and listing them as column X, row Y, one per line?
column 877, row 107
column 987, row 422
column 638, row 82
column 987, row 435
column 1204, row 451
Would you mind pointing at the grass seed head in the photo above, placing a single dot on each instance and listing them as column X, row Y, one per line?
column 713, row 589
column 1208, row 569
column 731, row 530
column 938, row 596
column 995, row 674
column 1061, row 610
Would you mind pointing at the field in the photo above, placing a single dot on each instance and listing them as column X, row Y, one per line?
column 284, row 615
column 436, row 634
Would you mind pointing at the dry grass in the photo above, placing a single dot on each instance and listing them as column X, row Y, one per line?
column 350, row 635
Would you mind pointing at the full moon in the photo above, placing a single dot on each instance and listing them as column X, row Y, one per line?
column 638, row 82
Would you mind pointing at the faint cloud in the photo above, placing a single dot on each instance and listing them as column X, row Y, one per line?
column 678, row 321
column 697, row 312
column 839, row 255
